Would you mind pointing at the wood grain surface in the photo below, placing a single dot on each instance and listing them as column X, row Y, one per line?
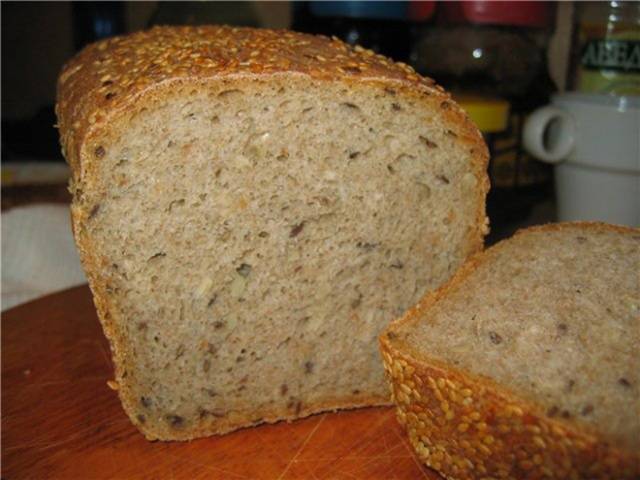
column 60, row 420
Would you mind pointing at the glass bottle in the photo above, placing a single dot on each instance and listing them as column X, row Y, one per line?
column 492, row 57
column 606, row 48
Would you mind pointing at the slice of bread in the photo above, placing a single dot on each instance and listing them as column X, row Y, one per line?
column 252, row 207
column 526, row 364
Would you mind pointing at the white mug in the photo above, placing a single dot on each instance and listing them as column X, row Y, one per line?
column 594, row 142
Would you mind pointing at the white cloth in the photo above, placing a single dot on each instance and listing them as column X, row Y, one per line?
column 38, row 253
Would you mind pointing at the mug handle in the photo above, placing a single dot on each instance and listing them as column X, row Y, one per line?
column 549, row 134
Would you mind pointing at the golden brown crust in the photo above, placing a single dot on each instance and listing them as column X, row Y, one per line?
column 107, row 78
column 235, row 421
column 109, row 75
column 467, row 426
column 229, row 423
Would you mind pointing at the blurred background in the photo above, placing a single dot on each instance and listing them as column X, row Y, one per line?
column 439, row 40
column 502, row 61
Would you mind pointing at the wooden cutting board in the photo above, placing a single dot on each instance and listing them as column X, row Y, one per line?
column 60, row 420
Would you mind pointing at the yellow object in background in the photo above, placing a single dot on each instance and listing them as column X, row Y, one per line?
column 491, row 115
column 510, row 166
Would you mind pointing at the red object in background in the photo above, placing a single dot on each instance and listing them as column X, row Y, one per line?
column 496, row 50
column 523, row 14
column 420, row 10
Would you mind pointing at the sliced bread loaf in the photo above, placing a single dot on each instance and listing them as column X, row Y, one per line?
column 251, row 208
column 526, row 364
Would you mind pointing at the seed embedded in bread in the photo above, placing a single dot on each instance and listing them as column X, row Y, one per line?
column 269, row 210
column 507, row 371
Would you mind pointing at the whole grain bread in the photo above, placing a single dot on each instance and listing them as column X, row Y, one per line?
column 251, row 208
column 526, row 363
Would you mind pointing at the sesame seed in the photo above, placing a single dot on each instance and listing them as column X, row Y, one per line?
column 579, row 444
column 526, row 464
column 437, row 456
column 546, row 472
column 502, row 473
column 488, row 439
column 515, row 410
column 539, row 442
column 484, row 449
column 534, row 429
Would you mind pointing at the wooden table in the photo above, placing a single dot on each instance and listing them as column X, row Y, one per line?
column 60, row 420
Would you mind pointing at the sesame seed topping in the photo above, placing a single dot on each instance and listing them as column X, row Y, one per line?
column 539, row 442
column 131, row 63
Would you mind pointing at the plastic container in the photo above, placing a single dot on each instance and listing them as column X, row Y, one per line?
column 597, row 176
column 496, row 51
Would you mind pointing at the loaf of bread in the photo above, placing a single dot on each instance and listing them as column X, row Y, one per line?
column 252, row 207
column 526, row 364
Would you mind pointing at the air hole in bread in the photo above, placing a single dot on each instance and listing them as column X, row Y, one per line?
column 226, row 94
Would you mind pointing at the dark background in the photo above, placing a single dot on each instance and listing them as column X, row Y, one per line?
column 38, row 37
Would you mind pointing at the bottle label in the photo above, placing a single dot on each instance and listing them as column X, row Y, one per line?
column 617, row 55
column 609, row 61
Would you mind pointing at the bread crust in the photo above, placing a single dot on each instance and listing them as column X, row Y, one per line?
column 233, row 422
column 468, row 426
column 107, row 76
column 107, row 79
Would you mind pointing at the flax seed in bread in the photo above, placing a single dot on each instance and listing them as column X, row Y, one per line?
column 527, row 363
column 251, row 208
